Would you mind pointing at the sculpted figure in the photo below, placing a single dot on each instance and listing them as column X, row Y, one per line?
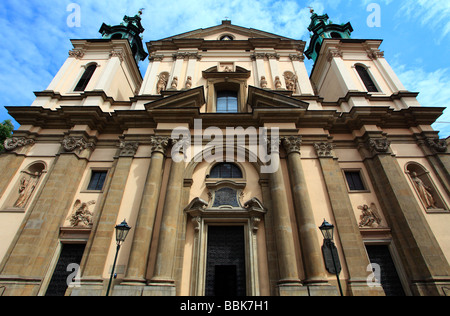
column 26, row 189
column 424, row 191
column 369, row 216
column 162, row 84
column 277, row 83
column 263, row 83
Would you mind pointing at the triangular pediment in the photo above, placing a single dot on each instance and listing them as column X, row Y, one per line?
column 193, row 98
column 262, row 98
column 226, row 28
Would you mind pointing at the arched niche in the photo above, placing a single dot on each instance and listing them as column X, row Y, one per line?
column 25, row 188
column 424, row 187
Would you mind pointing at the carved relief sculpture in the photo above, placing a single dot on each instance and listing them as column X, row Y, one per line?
column 72, row 143
column 425, row 192
column 14, row 142
column 291, row 81
column 81, row 216
column 162, row 83
column 26, row 188
column 369, row 216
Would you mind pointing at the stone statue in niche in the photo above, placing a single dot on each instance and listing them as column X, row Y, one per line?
column 425, row 192
column 81, row 216
column 27, row 186
column 369, row 216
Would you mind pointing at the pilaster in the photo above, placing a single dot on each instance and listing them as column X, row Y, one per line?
column 311, row 254
column 26, row 265
column 137, row 264
column 103, row 233
column 163, row 281
column 289, row 281
column 420, row 253
column 353, row 249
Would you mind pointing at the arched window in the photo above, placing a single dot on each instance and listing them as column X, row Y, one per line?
column 84, row 81
column 365, row 77
column 225, row 170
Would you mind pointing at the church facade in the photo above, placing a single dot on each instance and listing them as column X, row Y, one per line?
column 224, row 159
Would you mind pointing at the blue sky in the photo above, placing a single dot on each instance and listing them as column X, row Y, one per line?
column 36, row 36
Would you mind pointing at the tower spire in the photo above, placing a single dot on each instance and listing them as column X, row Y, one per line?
column 322, row 28
column 129, row 29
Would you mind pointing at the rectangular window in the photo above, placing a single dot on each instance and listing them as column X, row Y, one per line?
column 227, row 102
column 97, row 180
column 354, row 181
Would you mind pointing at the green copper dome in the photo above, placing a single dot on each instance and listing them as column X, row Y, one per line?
column 129, row 29
column 322, row 28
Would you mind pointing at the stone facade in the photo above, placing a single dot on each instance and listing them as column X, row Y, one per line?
column 323, row 130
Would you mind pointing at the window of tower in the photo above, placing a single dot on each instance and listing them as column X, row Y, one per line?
column 85, row 78
column 366, row 78
column 335, row 35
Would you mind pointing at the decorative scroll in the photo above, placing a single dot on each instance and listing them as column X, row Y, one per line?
column 70, row 144
column 14, row 142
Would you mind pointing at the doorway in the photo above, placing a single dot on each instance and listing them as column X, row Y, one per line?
column 225, row 265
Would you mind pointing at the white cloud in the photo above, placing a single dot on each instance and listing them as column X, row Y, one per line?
column 433, row 91
column 434, row 14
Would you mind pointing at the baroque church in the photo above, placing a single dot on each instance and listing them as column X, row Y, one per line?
column 221, row 163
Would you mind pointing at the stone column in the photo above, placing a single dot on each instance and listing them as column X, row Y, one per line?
column 137, row 264
column 352, row 245
column 289, row 282
column 311, row 253
column 422, row 257
column 38, row 238
column 163, row 280
column 100, row 241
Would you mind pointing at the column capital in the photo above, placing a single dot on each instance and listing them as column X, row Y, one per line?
column 128, row 149
column 324, row 150
column 378, row 145
column 292, row 144
column 159, row 144
column 437, row 145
